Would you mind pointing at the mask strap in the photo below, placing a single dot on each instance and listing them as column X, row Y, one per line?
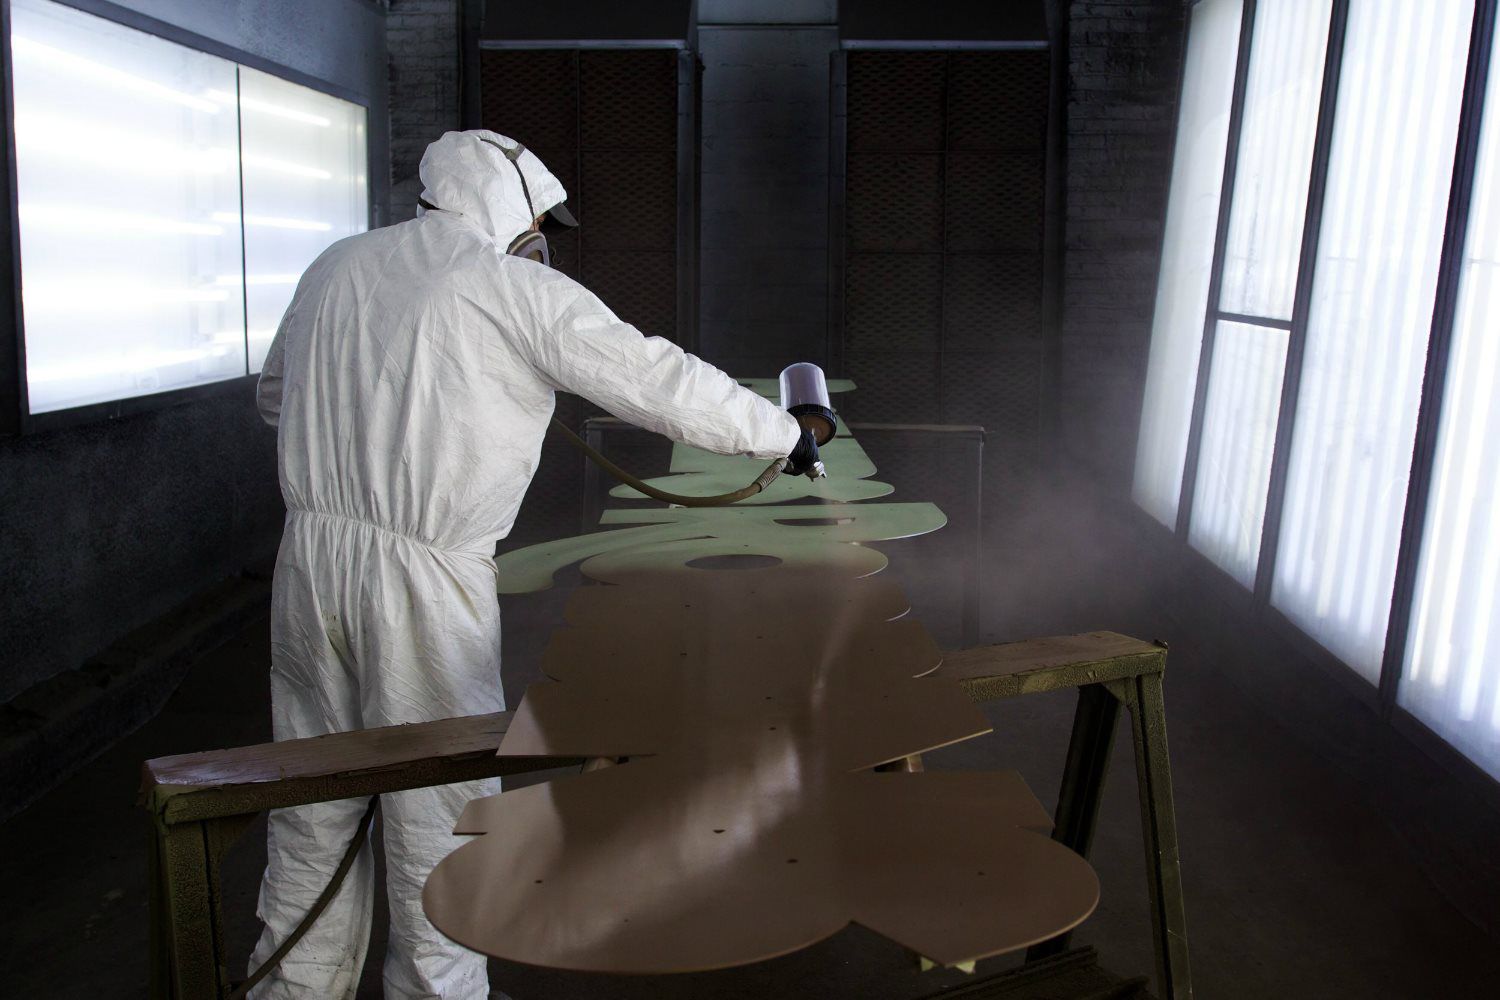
column 514, row 156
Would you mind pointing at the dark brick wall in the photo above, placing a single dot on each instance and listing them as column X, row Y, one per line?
column 1124, row 60
column 422, row 37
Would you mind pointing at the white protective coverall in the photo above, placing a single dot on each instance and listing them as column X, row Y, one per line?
column 412, row 381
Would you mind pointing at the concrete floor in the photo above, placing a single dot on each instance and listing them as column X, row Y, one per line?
column 1298, row 883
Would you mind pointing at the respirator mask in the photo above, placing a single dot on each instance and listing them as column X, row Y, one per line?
column 531, row 244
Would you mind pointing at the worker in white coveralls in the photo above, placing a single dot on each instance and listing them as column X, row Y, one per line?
column 411, row 382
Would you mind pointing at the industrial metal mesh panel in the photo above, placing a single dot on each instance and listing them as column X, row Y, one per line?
column 1000, row 390
column 895, row 201
column 628, row 99
column 893, row 388
column 564, row 250
column 900, row 101
column 945, row 207
column 894, row 302
column 640, row 287
column 995, row 201
column 564, row 166
column 631, row 200
column 605, row 122
column 998, row 102
column 991, row 300
column 531, row 96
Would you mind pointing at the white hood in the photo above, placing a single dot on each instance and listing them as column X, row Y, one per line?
column 462, row 172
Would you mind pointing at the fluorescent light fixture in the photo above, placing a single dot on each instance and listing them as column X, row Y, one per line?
column 57, row 59
column 284, row 167
column 275, row 222
column 160, row 246
column 89, row 293
column 266, row 107
column 132, row 363
column 116, row 149
column 90, row 219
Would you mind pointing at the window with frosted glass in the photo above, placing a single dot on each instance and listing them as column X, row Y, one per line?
column 1262, row 254
column 1389, row 174
column 1282, row 89
column 128, row 201
column 140, row 273
column 1239, row 435
column 304, row 165
column 1452, row 658
column 1187, row 255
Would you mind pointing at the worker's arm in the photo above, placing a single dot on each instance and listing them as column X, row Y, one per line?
column 585, row 349
column 268, row 389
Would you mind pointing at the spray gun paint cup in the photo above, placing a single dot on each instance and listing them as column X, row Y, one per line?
column 804, row 394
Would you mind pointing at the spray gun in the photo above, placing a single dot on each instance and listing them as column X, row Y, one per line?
column 804, row 394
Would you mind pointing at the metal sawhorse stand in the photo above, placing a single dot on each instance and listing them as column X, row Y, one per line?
column 1109, row 670
column 201, row 803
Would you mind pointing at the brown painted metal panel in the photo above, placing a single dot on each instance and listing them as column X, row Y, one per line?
column 704, row 861
column 748, row 822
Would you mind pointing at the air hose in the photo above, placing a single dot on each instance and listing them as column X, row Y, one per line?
column 329, row 891
column 765, row 479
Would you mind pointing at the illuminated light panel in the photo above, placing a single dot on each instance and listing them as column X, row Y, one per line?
column 119, row 150
column 130, row 363
column 1283, row 89
column 1239, row 437
column 1390, row 168
column 304, row 189
column 275, row 222
column 78, row 217
column 266, row 107
column 1451, row 680
column 121, row 163
column 283, row 167
column 185, row 196
column 87, row 294
column 54, row 59
column 1187, row 256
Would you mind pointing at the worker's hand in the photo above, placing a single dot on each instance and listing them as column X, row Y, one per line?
column 803, row 461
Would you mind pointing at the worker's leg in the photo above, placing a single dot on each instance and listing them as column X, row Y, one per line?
column 313, row 692
column 435, row 655
column 418, row 833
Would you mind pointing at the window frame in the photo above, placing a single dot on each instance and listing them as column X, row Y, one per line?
column 1256, row 602
column 15, row 415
